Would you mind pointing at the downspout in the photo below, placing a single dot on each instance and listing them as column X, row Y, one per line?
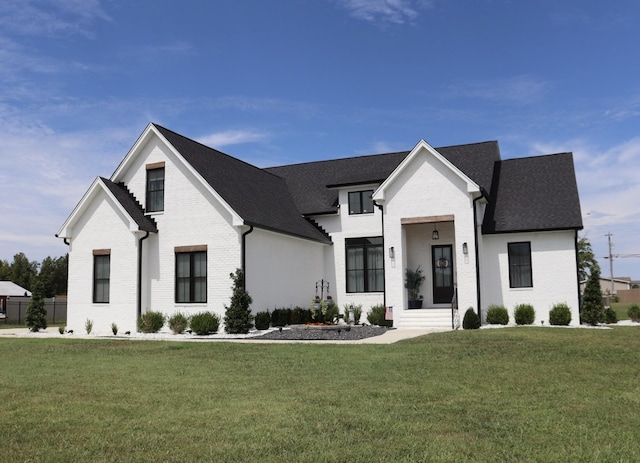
column 477, row 253
column 244, row 256
column 578, row 277
column 384, row 267
column 140, row 273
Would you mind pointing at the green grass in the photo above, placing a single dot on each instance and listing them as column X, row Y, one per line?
column 621, row 309
column 513, row 395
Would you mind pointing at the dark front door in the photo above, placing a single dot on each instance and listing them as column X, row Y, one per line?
column 442, row 264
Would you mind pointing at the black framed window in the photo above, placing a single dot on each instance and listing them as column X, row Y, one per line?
column 101, row 277
column 520, row 272
column 360, row 202
column 191, row 276
column 155, row 189
column 365, row 265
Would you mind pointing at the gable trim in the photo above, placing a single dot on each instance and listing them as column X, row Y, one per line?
column 379, row 194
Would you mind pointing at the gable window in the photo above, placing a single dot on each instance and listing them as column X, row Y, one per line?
column 520, row 274
column 360, row 202
column 101, row 275
column 365, row 265
column 155, row 187
column 191, row 274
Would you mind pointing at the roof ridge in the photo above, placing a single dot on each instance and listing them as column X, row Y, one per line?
column 340, row 159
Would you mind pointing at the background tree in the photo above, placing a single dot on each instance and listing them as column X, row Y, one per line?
column 23, row 273
column 238, row 318
column 587, row 262
column 36, row 318
column 592, row 310
column 53, row 275
column 5, row 270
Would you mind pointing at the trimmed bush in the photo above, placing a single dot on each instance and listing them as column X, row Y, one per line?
column 300, row 316
column 592, row 310
column 633, row 312
column 238, row 318
column 151, row 322
column 36, row 318
column 280, row 317
column 524, row 314
column 263, row 320
column 497, row 315
column 560, row 314
column 375, row 316
column 470, row 321
column 178, row 322
column 610, row 315
column 205, row 323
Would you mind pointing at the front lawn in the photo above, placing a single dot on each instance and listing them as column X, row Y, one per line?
column 515, row 394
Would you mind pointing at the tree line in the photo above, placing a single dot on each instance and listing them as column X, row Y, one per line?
column 51, row 273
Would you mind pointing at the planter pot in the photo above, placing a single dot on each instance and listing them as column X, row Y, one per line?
column 415, row 304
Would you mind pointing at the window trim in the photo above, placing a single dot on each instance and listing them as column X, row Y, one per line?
column 517, row 267
column 365, row 269
column 361, row 198
column 192, row 279
column 100, row 255
column 154, row 167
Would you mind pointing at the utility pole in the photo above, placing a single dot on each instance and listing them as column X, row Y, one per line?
column 609, row 235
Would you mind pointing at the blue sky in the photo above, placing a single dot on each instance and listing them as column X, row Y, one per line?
column 277, row 82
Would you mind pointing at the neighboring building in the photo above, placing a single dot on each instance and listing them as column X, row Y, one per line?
column 619, row 284
column 9, row 289
column 176, row 218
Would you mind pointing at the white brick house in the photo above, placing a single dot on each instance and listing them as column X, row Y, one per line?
column 176, row 218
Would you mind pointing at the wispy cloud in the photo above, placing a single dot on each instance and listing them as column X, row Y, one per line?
column 384, row 11
column 233, row 137
column 522, row 89
column 61, row 17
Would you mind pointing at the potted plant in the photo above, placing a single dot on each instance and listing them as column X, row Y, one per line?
column 412, row 281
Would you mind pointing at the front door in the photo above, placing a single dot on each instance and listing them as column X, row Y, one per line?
column 442, row 264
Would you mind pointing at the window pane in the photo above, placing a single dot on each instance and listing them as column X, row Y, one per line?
column 183, row 268
column 155, row 190
column 367, row 202
column 355, row 203
column 365, row 264
column 191, row 276
column 520, row 273
column 101, row 270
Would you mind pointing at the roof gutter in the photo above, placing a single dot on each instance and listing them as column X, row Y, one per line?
column 139, row 307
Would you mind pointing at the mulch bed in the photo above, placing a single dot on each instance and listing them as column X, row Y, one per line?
column 324, row 333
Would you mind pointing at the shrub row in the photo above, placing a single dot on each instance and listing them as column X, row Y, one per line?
column 523, row 314
column 324, row 314
column 202, row 323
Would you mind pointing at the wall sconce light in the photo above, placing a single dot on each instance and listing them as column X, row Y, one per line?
column 392, row 253
column 435, row 235
column 465, row 249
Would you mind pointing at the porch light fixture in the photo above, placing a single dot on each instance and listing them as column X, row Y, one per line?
column 465, row 249
column 435, row 235
column 392, row 253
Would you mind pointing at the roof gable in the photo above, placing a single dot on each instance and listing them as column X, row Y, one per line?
column 533, row 194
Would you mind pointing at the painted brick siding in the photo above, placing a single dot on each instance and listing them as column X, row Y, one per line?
column 282, row 270
column 91, row 233
column 554, row 271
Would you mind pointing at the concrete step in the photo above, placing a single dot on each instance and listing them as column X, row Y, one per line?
column 423, row 318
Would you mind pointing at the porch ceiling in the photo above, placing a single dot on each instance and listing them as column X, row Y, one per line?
column 427, row 219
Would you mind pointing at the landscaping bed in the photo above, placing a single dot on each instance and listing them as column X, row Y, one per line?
column 324, row 333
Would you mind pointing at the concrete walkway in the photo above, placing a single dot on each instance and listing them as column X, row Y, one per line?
column 389, row 337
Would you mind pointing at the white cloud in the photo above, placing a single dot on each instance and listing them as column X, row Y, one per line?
column 520, row 89
column 385, row 11
column 233, row 137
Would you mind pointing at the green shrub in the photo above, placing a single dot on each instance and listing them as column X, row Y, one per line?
column 238, row 318
column 114, row 329
column 592, row 310
column 205, row 323
column 610, row 315
column 524, row 314
column 331, row 313
column 300, row 316
column 280, row 317
column 560, row 314
column 88, row 326
column 61, row 329
column 178, row 322
column 36, row 318
column 497, row 315
column 151, row 322
column 375, row 316
column 263, row 320
column 470, row 321
column 633, row 312
column 357, row 313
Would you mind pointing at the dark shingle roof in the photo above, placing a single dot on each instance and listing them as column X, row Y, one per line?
column 310, row 183
column 534, row 194
column 259, row 197
column 133, row 208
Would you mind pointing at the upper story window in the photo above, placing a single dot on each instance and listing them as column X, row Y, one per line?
column 520, row 273
column 155, row 187
column 101, row 275
column 360, row 202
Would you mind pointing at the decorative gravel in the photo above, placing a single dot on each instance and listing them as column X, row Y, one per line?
column 324, row 333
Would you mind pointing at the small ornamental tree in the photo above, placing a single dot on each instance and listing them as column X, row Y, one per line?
column 592, row 311
column 238, row 318
column 36, row 318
